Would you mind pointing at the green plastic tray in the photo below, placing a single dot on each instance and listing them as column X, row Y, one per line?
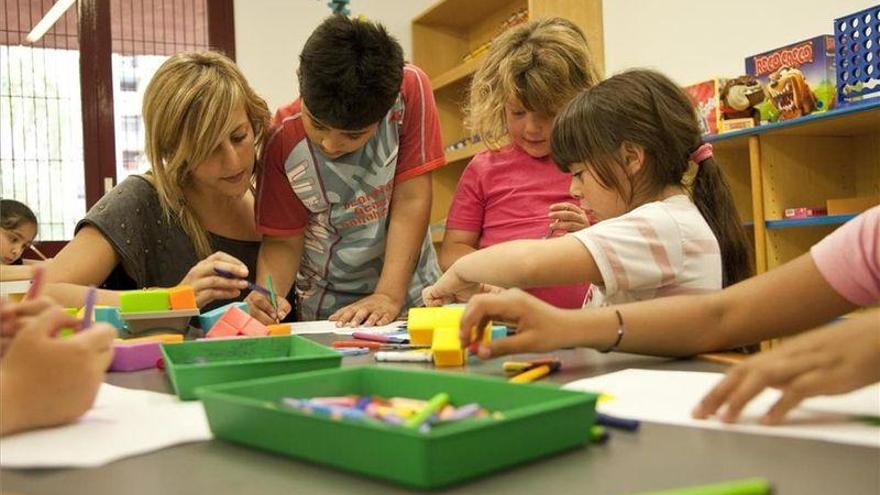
column 538, row 420
column 207, row 362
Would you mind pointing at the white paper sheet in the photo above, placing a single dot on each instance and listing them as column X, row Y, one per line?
column 325, row 326
column 122, row 423
column 670, row 396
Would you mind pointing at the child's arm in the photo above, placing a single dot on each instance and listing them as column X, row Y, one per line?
column 88, row 259
column 780, row 302
column 456, row 244
column 409, row 215
column 831, row 360
column 525, row 263
column 279, row 257
column 16, row 272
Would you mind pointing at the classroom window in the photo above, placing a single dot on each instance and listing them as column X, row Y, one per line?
column 41, row 148
column 144, row 34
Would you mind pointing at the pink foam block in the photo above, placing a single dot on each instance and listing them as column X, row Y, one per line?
column 255, row 329
column 222, row 329
column 235, row 318
column 135, row 356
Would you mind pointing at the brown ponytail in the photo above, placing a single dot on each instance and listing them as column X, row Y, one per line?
column 711, row 195
column 645, row 108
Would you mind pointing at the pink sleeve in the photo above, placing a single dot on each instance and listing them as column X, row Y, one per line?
column 468, row 204
column 421, row 147
column 849, row 258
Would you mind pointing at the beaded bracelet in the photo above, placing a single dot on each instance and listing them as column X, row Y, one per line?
column 620, row 330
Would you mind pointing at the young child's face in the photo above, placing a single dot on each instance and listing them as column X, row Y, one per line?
column 335, row 143
column 13, row 242
column 230, row 166
column 528, row 130
column 596, row 200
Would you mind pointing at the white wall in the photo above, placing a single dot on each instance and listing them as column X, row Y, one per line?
column 693, row 40
column 269, row 35
column 689, row 40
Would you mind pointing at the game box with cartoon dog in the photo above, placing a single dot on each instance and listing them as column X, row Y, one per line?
column 799, row 79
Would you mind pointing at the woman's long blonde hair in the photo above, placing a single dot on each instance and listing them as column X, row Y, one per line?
column 543, row 63
column 187, row 111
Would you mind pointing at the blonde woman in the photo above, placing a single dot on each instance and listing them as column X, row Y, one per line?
column 514, row 190
column 193, row 212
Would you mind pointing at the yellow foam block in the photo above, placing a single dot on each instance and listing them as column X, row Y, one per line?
column 421, row 322
column 446, row 347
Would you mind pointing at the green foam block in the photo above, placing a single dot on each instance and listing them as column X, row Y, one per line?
column 140, row 301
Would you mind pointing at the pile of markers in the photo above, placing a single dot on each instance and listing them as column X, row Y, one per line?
column 529, row 371
column 390, row 348
column 421, row 415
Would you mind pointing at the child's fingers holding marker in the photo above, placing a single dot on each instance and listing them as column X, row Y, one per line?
column 261, row 308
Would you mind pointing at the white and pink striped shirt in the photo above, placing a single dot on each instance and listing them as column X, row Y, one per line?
column 659, row 249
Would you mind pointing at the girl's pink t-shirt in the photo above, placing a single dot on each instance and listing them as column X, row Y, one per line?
column 849, row 258
column 506, row 195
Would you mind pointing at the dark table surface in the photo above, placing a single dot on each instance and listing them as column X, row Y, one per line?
column 656, row 457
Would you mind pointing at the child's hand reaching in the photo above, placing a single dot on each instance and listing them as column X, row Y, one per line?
column 47, row 381
column 452, row 289
column 539, row 326
column 568, row 217
column 832, row 360
column 376, row 309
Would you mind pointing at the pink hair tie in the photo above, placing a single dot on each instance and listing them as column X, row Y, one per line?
column 702, row 153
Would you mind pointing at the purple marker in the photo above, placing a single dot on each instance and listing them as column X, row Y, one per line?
column 463, row 412
column 251, row 286
column 88, row 308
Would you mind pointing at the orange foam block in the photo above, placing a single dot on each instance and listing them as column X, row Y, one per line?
column 182, row 297
column 279, row 329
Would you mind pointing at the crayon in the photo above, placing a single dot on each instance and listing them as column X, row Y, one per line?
column 435, row 404
column 749, row 486
column 404, row 357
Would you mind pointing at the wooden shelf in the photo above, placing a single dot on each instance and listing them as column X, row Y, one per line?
column 457, row 74
column 459, row 14
column 465, row 153
column 851, row 120
column 810, row 221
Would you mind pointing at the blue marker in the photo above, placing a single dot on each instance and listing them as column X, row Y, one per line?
column 615, row 422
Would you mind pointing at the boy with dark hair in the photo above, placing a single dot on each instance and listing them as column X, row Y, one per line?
column 365, row 126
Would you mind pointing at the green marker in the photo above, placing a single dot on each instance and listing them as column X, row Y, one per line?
column 435, row 404
column 749, row 486
column 272, row 295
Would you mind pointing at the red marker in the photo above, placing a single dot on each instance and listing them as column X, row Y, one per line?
column 352, row 343
column 36, row 283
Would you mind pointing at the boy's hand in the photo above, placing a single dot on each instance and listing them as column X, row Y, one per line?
column 567, row 217
column 48, row 381
column 452, row 289
column 209, row 286
column 260, row 307
column 830, row 360
column 539, row 326
column 376, row 309
column 13, row 316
